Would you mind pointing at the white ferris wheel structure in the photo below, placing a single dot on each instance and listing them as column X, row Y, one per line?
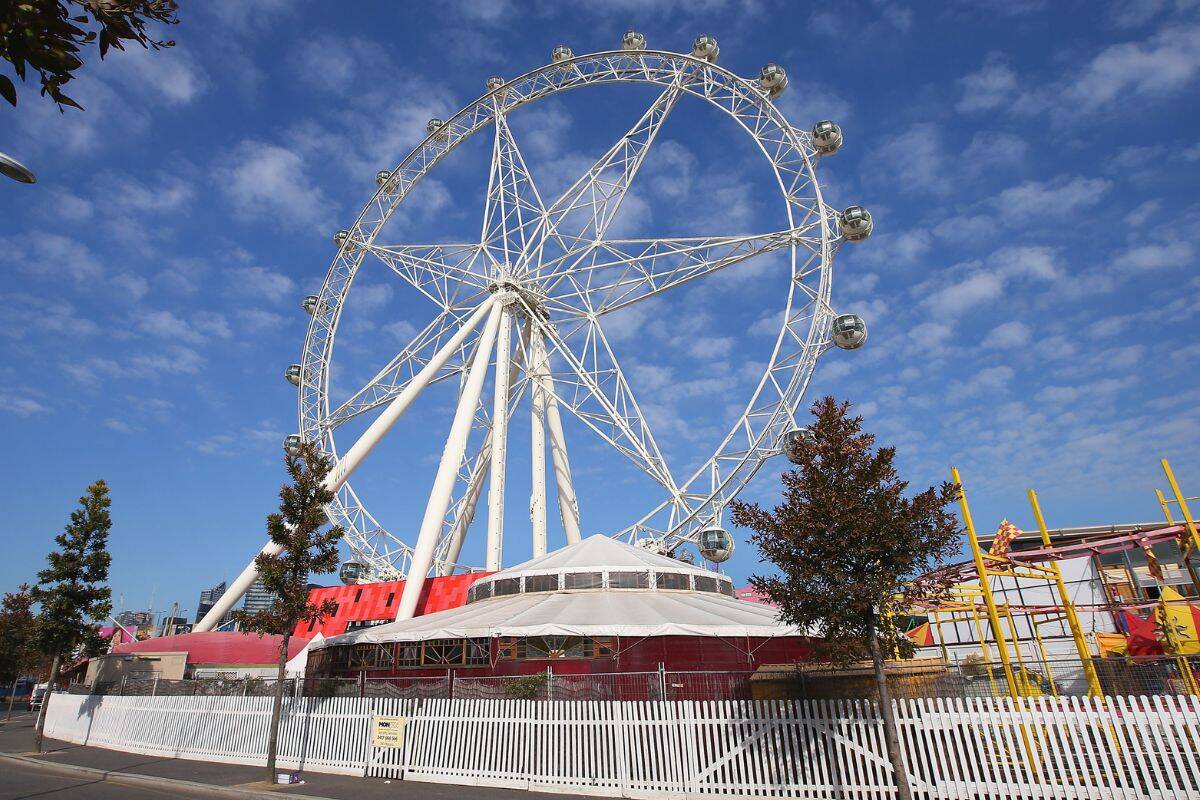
column 526, row 304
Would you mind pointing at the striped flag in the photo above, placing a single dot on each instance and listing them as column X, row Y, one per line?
column 1004, row 539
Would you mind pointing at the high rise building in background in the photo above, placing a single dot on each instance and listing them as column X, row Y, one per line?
column 257, row 598
column 207, row 598
column 135, row 619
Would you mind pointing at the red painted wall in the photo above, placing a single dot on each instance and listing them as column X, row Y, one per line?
column 680, row 653
column 375, row 601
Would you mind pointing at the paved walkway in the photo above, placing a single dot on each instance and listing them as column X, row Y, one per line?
column 16, row 737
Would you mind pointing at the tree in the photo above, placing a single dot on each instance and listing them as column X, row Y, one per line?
column 72, row 591
column 47, row 35
column 846, row 541
column 18, row 645
column 305, row 549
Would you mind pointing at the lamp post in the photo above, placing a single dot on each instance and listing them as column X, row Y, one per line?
column 16, row 170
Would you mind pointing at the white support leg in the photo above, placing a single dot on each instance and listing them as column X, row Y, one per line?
column 568, row 505
column 354, row 456
column 537, row 430
column 443, row 485
column 466, row 512
column 495, row 531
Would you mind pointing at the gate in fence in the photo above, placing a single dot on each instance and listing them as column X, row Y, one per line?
column 1124, row 747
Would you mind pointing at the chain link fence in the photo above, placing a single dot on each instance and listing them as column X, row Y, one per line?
column 1169, row 675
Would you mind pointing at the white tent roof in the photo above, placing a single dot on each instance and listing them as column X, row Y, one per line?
column 591, row 612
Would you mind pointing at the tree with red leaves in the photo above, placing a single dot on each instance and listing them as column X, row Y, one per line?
column 847, row 540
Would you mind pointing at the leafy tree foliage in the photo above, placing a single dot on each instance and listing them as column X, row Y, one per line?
column 18, row 639
column 72, row 592
column 846, row 542
column 46, row 36
column 303, row 549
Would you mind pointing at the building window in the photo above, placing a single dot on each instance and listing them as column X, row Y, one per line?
column 408, row 654
column 542, row 648
column 358, row 595
column 583, row 580
column 705, row 583
column 726, row 588
column 479, row 591
column 391, row 597
column 506, row 586
column 672, row 580
column 541, row 583
column 629, row 580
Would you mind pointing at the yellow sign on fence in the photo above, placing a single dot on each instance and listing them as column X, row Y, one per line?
column 388, row 732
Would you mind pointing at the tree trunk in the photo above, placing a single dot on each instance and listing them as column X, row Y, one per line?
column 277, row 707
column 41, row 720
column 890, row 735
column 12, row 695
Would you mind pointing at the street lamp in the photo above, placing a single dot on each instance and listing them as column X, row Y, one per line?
column 16, row 170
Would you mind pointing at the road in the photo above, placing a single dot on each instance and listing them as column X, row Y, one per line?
column 20, row 783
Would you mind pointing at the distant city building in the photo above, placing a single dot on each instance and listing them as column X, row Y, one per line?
column 208, row 599
column 257, row 598
column 135, row 619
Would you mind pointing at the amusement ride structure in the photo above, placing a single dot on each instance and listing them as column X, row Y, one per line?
column 528, row 302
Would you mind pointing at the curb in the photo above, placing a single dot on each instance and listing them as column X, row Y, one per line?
column 151, row 782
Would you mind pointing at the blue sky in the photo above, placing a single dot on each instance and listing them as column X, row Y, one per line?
column 1030, row 289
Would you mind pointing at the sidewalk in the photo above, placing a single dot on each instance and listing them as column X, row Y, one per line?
column 16, row 738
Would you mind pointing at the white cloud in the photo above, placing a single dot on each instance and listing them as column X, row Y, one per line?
column 1008, row 335
column 260, row 283
column 21, row 405
column 912, row 159
column 268, row 181
column 956, row 299
column 1155, row 256
column 993, row 85
column 1049, row 201
column 51, row 255
column 995, row 149
column 1161, row 65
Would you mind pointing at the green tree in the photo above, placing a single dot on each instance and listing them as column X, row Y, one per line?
column 18, row 640
column 72, row 592
column 847, row 540
column 46, row 36
column 304, row 549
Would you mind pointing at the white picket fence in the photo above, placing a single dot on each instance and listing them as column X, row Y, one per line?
column 1120, row 747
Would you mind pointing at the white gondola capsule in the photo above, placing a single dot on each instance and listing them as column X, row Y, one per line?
column 340, row 237
column 434, row 126
column 310, row 304
column 382, row 177
column 291, row 443
column 561, row 53
column 351, row 572
column 827, row 137
column 716, row 545
column 794, row 442
column 855, row 223
column 705, row 47
column 494, row 83
column 773, row 79
column 292, row 373
column 849, row 331
column 632, row 40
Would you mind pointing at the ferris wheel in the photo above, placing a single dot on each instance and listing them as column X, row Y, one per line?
column 523, row 309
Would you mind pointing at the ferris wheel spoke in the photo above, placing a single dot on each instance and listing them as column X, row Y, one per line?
column 620, row 272
column 400, row 370
column 593, row 388
column 445, row 273
column 514, row 215
column 584, row 212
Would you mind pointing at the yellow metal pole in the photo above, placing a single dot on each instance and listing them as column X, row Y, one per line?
column 985, row 583
column 1022, row 673
column 1184, row 552
column 1183, row 506
column 937, row 623
column 987, row 654
column 1037, row 635
column 1085, row 654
